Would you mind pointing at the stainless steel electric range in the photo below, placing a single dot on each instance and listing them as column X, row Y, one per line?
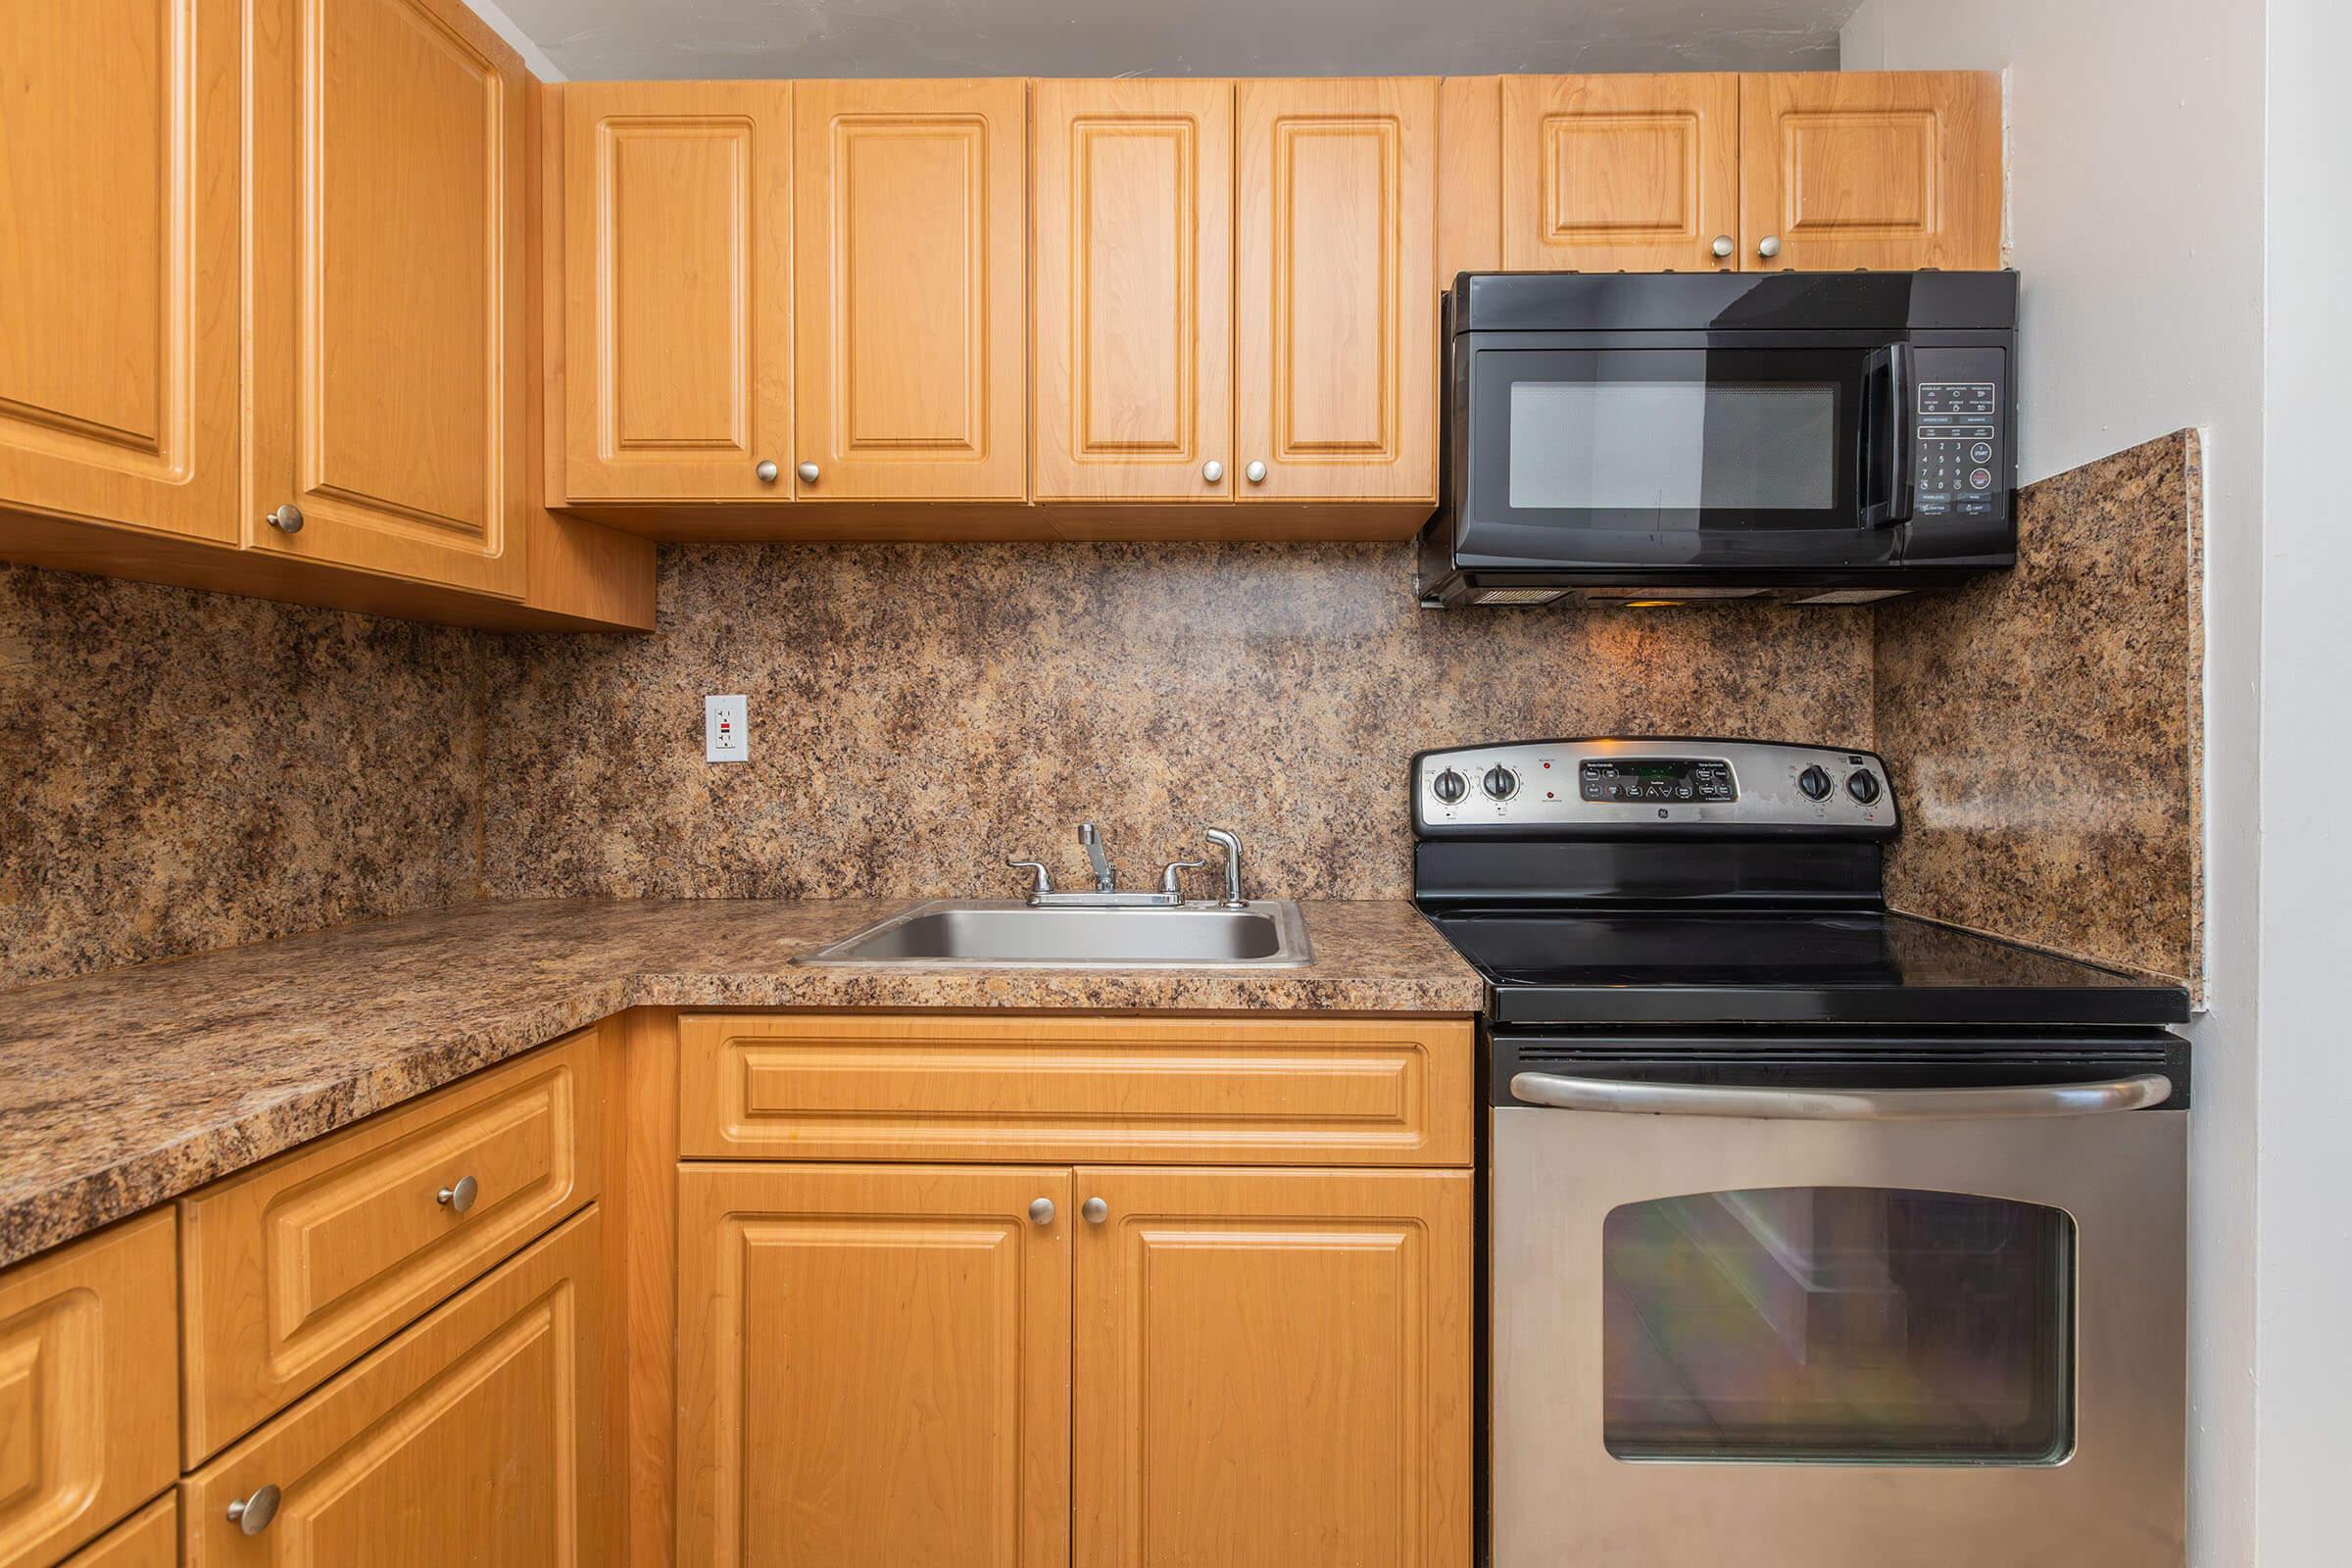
column 1815, row 1234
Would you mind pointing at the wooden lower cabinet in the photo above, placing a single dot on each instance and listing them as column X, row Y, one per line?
column 873, row 1366
column 885, row 1365
column 475, row 1436
column 1273, row 1369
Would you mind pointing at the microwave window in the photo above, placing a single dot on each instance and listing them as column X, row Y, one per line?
column 1673, row 446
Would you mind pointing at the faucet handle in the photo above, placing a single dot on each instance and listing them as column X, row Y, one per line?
column 1044, row 878
column 1171, row 880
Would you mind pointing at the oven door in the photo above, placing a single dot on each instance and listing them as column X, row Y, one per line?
column 1836, row 1328
column 1602, row 453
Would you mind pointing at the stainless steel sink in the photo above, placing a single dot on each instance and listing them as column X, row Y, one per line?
column 992, row 933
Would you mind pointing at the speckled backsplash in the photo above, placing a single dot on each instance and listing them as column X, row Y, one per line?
column 180, row 772
column 917, row 714
column 2046, row 726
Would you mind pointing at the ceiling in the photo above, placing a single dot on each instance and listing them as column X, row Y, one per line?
column 589, row 39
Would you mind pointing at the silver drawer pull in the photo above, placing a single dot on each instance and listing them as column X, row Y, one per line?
column 1096, row 1210
column 253, row 1514
column 460, row 1197
column 285, row 519
column 1042, row 1210
column 2135, row 1092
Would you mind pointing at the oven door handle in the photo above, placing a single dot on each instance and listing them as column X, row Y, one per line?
column 2138, row 1091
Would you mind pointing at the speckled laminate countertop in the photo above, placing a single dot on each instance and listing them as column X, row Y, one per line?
column 126, row 1088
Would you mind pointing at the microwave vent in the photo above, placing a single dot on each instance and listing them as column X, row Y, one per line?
column 1854, row 596
column 1518, row 596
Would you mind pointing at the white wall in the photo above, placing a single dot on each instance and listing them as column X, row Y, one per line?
column 2135, row 150
column 2304, row 1232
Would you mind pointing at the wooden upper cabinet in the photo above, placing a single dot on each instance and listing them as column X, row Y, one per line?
column 1336, row 290
column 677, row 213
column 475, row 1436
column 1133, row 231
column 873, row 1366
column 387, row 303
column 119, row 262
column 910, row 285
column 89, row 1382
column 1844, row 169
column 1273, row 1368
column 1602, row 172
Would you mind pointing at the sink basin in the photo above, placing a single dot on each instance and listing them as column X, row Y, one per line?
column 980, row 933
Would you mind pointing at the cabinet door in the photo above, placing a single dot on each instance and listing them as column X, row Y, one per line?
column 1134, row 325
column 387, row 259
column 1602, row 172
column 1336, row 291
column 1273, row 1368
column 1880, row 169
column 873, row 1366
column 119, row 262
column 474, row 1438
column 677, row 320
column 89, row 1382
column 911, row 290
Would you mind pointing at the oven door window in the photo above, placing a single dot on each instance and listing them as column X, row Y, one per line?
column 1649, row 440
column 1838, row 1324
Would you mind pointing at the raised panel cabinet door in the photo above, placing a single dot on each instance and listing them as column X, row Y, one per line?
column 386, row 261
column 873, row 1366
column 1602, row 172
column 910, row 290
column 89, row 1384
column 1877, row 168
column 1132, row 189
column 148, row 1539
column 119, row 262
column 677, row 319
column 475, row 1436
column 1335, row 290
column 1272, row 1368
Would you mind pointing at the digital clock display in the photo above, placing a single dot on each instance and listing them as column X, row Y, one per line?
column 1663, row 780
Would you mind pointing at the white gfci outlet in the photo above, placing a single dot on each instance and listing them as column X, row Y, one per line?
column 726, row 729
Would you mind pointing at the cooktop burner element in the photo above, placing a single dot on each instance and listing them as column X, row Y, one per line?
column 1697, row 881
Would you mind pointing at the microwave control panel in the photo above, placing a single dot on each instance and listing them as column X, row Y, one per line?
column 1963, row 464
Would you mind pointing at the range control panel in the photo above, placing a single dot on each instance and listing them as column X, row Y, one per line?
column 1632, row 787
column 1963, row 465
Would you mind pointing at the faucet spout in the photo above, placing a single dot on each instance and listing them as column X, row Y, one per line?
column 1104, row 881
column 1231, row 843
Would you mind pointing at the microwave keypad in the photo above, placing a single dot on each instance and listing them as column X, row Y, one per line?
column 1958, row 443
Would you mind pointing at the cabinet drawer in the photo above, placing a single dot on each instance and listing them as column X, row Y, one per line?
column 148, row 1539
column 297, row 1268
column 1297, row 1090
column 475, row 1436
column 88, row 1382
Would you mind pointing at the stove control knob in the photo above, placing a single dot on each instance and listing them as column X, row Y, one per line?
column 1450, row 786
column 1815, row 783
column 1862, row 786
column 1500, row 782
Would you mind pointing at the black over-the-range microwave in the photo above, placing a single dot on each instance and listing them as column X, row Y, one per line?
column 1813, row 437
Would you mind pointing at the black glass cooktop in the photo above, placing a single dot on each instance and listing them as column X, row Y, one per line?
column 1849, row 968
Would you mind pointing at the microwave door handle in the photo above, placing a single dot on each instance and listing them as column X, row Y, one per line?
column 1887, row 435
column 2138, row 1091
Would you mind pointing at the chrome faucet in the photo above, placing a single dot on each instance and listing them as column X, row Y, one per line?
column 1231, row 843
column 1104, row 881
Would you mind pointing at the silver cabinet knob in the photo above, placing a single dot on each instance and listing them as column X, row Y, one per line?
column 1768, row 246
column 807, row 472
column 253, row 1514
column 1042, row 1210
column 1096, row 1210
column 460, row 1197
column 767, row 470
column 1256, row 473
column 1722, row 245
column 286, row 518
column 1212, row 470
